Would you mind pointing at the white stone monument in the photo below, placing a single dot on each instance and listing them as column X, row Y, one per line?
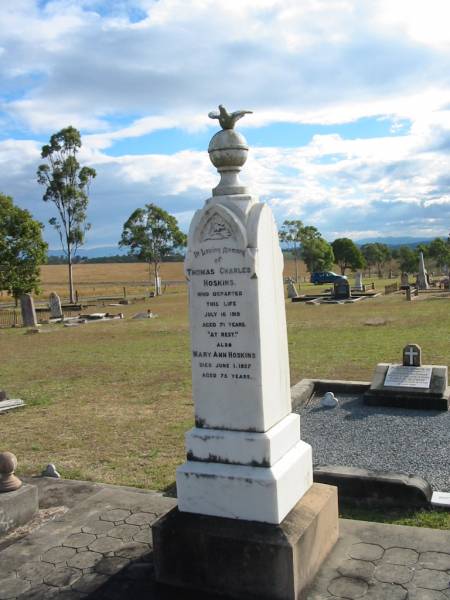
column 422, row 279
column 291, row 290
column 358, row 281
column 259, row 468
column 157, row 286
column 245, row 462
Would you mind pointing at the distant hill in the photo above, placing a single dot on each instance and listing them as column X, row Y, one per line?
column 395, row 242
column 100, row 251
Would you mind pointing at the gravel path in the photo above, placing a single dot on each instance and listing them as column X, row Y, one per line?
column 415, row 442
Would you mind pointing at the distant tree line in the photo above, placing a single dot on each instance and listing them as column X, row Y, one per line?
column 305, row 242
column 113, row 258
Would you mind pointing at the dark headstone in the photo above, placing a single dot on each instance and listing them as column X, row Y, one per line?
column 28, row 313
column 341, row 289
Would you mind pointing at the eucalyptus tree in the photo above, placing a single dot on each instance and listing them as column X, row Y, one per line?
column 67, row 186
column 151, row 234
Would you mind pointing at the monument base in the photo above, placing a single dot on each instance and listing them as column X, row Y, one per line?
column 244, row 492
column 18, row 507
column 247, row 559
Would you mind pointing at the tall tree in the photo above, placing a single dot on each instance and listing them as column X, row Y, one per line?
column 315, row 251
column 22, row 249
column 439, row 250
column 151, row 234
column 67, row 186
column 347, row 254
column 290, row 234
column 408, row 259
column 376, row 254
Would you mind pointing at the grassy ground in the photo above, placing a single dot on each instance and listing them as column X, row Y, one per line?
column 111, row 401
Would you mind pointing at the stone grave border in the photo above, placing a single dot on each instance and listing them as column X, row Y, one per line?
column 361, row 487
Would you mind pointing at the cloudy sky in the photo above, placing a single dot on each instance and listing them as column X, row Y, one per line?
column 351, row 101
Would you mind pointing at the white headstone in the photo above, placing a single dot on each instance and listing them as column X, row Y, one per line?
column 291, row 290
column 158, row 285
column 54, row 302
column 358, row 281
column 245, row 456
column 28, row 312
column 422, row 280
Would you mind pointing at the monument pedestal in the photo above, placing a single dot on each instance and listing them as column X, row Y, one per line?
column 248, row 559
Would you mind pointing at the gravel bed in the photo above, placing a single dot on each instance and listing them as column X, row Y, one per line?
column 378, row 438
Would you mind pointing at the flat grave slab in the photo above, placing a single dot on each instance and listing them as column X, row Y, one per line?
column 411, row 384
column 378, row 438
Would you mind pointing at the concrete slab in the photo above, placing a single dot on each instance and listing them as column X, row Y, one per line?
column 61, row 559
column 16, row 508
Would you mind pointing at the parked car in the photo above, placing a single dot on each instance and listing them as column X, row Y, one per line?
column 319, row 277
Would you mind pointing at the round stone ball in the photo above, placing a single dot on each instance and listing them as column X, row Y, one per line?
column 228, row 148
column 8, row 463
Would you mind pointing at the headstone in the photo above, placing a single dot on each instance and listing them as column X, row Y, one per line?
column 410, row 384
column 329, row 400
column 28, row 312
column 291, row 289
column 158, row 285
column 412, row 355
column 358, row 281
column 245, row 459
column 422, row 279
column 234, row 267
column 404, row 281
column 3, row 395
column 54, row 302
column 341, row 289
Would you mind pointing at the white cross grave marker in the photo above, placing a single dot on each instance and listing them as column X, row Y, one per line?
column 412, row 355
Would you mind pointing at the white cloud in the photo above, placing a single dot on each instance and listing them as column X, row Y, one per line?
column 117, row 76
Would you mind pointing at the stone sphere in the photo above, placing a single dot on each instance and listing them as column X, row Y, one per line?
column 8, row 463
column 228, row 148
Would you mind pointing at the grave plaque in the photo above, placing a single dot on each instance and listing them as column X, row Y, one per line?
column 410, row 385
column 410, row 377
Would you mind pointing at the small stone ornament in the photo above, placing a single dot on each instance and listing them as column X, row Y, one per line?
column 50, row 471
column 8, row 481
column 329, row 400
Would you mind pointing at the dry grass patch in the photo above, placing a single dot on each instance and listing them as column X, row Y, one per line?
column 111, row 401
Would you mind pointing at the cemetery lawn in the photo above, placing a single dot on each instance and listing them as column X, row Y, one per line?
column 111, row 401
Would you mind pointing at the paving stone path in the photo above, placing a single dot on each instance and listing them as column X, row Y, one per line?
column 101, row 549
column 386, row 562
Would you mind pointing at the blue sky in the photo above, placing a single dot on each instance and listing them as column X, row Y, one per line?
column 351, row 101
